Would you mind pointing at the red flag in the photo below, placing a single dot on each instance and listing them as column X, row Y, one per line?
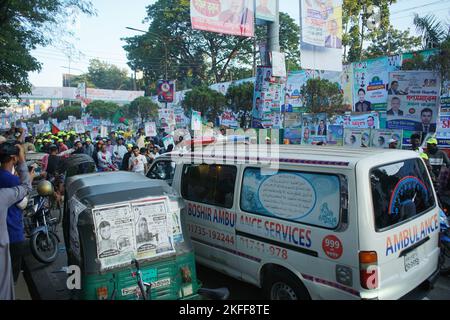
column 55, row 129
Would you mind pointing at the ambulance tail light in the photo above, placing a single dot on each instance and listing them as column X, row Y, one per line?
column 368, row 269
column 102, row 293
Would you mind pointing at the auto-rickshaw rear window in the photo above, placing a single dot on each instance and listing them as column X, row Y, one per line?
column 400, row 192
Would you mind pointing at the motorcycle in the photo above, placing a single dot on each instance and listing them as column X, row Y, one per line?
column 444, row 243
column 40, row 225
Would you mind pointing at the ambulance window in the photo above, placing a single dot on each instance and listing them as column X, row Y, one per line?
column 209, row 184
column 310, row 198
column 400, row 192
column 162, row 170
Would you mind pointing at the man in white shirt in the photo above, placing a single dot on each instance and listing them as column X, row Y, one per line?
column 138, row 162
column 119, row 151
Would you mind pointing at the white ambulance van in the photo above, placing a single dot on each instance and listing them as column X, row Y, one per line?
column 310, row 222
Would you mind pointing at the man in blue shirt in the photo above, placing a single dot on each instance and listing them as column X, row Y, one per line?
column 15, row 215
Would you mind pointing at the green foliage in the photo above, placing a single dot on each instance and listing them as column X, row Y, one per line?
column 25, row 25
column 197, row 58
column 144, row 107
column 64, row 112
column 240, row 97
column 432, row 31
column 320, row 95
column 391, row 42
column 102, row 109
column 209, row 102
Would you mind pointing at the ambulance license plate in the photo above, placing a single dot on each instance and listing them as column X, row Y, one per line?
column 411, row 260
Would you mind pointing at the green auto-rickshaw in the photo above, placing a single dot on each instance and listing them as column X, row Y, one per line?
column 124, row 233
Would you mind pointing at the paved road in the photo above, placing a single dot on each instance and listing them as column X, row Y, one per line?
column 243, row 291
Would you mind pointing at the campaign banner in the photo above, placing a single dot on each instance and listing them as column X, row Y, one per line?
column 233, row 17
column 356, row 138
column 165, row 91
column 413, row 101
column 180, row 118
column 371, row 81
column 266, row 10
column 150, row 129
column 381, row 138
column 278, row 64
column 335, row 135
column 314, row 128
column 321, row 35
column 445, row 97
column 196, row 121
column 359, row 121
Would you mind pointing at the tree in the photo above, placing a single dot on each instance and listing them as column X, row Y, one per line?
column 356, row 27
column 194, row 57
column 144, row 107
column 102, row 109
column 103, row 75
column 391, row 42
column 24, row 25
column 320, row 95
column 432, row 31
column 240, row 97
column 209, row 102
column 63, row 113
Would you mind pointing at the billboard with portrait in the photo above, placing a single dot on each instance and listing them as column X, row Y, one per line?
column 234, row 17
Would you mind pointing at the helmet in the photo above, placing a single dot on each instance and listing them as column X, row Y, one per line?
column 45, row 188
column 432, row 141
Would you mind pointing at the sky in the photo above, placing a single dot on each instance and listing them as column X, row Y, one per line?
column 100, row 36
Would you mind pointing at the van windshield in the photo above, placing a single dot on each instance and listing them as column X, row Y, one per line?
column 400, row 191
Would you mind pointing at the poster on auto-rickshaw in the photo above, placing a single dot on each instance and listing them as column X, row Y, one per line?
column 114, row 229
column 154, row 233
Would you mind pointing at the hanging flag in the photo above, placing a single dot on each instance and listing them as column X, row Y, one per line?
column 55, row 129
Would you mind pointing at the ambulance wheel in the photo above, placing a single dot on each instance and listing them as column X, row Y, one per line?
column 284, row 286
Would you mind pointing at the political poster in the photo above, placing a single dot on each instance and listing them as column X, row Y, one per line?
column 321, row 34
column 314, row 128
column 234, row 17
column 443, row 131
column 221, row 87
column 371, row 81
column 445, row 97
column 413, row 101
column 79, row 127
column 346, row 82
column 293, row 136
column 154, row 233
column 369, row 120
column 267, row 99
column 229, row 119
column 150, row 129
column 167, row 141
column 356, row 138
column 278, row 64
column 266, row 10
column 114, row 231
column 293, row 97
column 335, row 135
column 167, row 118
column 166, row 91
column 381, row 138
column 180, row 117
column 196, row 121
